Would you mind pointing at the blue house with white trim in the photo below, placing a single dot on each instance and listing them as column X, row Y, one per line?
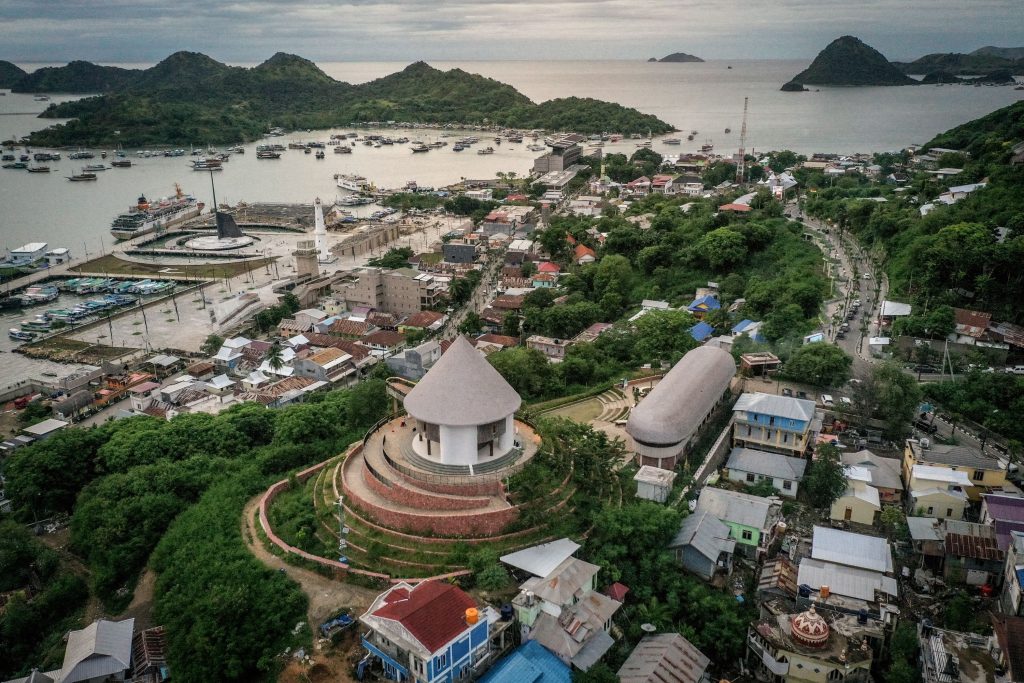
column 429, row 633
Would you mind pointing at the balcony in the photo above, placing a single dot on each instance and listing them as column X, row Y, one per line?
column 770, row 663
column 389, row 658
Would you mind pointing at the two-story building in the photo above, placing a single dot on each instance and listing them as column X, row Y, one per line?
column 431, row 632
column 986, row 472
column 937, row 492
column 750, row 518
column 554, row 349
column 1011, row 600
column 777, row 424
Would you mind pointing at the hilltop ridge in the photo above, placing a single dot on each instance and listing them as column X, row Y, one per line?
column 848, row 61
column 190, row 97
column 10, row 74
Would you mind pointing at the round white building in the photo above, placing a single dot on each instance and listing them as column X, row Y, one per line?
column 464, row 409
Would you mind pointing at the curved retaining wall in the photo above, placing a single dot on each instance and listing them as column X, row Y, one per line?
column 418, row 499
column 338, row 568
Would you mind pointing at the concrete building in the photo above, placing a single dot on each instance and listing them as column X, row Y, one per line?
column 986, row 472
column 666, row 423
column 884, row 474
column 704, row 546
column 563, row 154
column 415, row 362
column 554, row 349
column 464, row 409
column 458, row 252
column 654, row 483
column 937, row 492
column 402, row 292
column 777, row 424
column 306, row 263
column 860, row 503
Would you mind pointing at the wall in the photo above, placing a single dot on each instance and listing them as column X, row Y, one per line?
column 458, row 445
column 862, row 512
column 405, row 496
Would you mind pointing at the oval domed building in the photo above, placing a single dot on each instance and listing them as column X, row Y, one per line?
column 810, row 628
column 666, row 422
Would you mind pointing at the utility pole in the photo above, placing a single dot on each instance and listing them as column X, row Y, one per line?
column 741, row 167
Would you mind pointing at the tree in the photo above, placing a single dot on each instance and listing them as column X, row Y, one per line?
column 395, row 257
column 898, row 396
column 826, row 477
column 662, row 336
column 275, row 356
column 212, row 344
column 527, row 370
column 722, row 248
column 820, row 364
column 471, row 324
column 527, row 268
column 893, row 521
column 599, row 673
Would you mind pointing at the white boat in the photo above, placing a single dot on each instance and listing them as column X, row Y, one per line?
column 485, row 150
column 672, row 141
column 352, row 182
column 146, row 217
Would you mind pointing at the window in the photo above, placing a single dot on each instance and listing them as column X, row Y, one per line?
column 785, row 437
column 930, row 510
column 949, row 512
column 768, row 435
column 787, row 485
column 747, row 535
column 441, row 662
column 750, row 477
column 979, row 475
column 749, row 430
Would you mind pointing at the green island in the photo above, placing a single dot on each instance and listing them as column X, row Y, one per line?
column 191, row 98
column 981, row 62
column 848, row 61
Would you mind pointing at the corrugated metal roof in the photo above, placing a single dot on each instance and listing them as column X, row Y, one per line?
column 767, row 464
column 778, row 406
column 851, row 582
column 593, row 650
column 529, row 663
column 706, row 533
column 541, row 560
column 885, row 472
column 102, row 648
column 738, row 508
column 664, row 658
column 924, row 528
column 853, row 550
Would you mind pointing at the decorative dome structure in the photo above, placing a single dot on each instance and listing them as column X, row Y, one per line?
column 464, row 409
column 810, row 629
column 665, row 423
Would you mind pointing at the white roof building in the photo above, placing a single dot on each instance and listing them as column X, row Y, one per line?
column 894, row 309
column 852, row 550
column 541, row 560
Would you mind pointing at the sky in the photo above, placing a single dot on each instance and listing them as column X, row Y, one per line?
column 240, row 31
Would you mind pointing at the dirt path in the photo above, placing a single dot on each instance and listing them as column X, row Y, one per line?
column 326, row 596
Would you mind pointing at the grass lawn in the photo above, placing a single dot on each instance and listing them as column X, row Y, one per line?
column 112, row 265
column 584, row 411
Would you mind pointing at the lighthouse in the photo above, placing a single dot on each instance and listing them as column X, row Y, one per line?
column 320, row 234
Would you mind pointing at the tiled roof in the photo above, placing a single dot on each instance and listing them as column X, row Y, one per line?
column 433, row 612
column 385, row 338
column 349, row 328
column 499, row 339
column 422, row 319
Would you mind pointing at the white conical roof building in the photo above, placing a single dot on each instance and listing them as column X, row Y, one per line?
column 465, row 407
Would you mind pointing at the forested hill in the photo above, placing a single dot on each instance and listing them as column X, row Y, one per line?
column 190, row 97
column 973, row 64
column 75, row 77
column 10, row 74
column 849, row 61
column 954, row 255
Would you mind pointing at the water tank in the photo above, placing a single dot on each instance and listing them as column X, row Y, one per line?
column 925, row 443
column 529, row 598
column 804, row 590
column 782, row 527
column 862, row 616
column 472, row 616
column 824, row 592
column 506, row 612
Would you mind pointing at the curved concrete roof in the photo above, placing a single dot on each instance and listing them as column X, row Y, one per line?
column 675, row 407
column 462, row 389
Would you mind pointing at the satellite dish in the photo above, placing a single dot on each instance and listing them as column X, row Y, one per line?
column 648, row 628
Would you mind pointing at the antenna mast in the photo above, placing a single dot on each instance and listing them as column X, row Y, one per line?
column 741, row 167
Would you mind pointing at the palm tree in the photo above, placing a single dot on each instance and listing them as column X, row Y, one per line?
column 275, row 357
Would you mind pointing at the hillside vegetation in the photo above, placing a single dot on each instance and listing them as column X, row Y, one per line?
column 76, row 77
column 849, row 61
column 10, row 74
column 974, row 64
column 190, row 97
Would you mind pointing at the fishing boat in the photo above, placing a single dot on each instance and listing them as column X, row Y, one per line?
column 38, row 169
column 268, row 154
column 91, row 168
column 419, row 147
column 121, row 163
column 20, row 335
column 458, row 147
column 672, row 141
column 208, row 165
column 320, row 154
column 146, row 217
column 17, row 165
column 728, row 130
column 38, row 324
column 342, row 149
column 39, row 294
column 690, row 137
column 485, row 150
column 81, row 177
column 42, row 98
column 83, row 154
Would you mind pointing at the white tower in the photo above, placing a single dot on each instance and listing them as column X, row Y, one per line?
column 320, row 234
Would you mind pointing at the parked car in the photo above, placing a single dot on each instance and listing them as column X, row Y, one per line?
column 925, row 426
column 845, row 402
column 787, row 392
column 826, row 400
column 801, row 394
column 932, row 368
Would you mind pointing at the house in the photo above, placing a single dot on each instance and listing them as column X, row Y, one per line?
column 663, row 184
column 431, row 631
column 751, row 328
column 583, row 254
column 860, row 502
column 591, row 333
column 986, row 473
column 383, row 342
column 560, row 609
column 1005, row 513
column 641, row 187
column 549, row 268
column 972, row 554
column 751, row 519
column 954, row 657
column 654, row 483
column 701, row 331
column 813, row 646
column 971, row 326
column 544, row 281
column 45, row 429
column 884, row 474
column 530, row 662
column 665, row 424
column 704, row 545
column 142, row 395
column 230, row 353
column 850, row 571
column 554, row 349
column 102, row 651
column 759, row 363
column 937, row 492
column 424, row 320
column 777, row 424
column 413, row 363
column 1010, row 630
column 665, row 658
column 891, row 310
column 328, row 365
column 1011, row 600
column 749, row 466
column 702, row 305
column 779, row 184
column 927, row 535
column 308, row 317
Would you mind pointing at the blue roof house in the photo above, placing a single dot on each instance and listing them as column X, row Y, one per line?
column 529, row 663
column 701, row 331
column 700, row 306
column 751, row 328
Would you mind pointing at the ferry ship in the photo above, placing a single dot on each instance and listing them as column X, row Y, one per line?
column 146, row 217
column 352, row 183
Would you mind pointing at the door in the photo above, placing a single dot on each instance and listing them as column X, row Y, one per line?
column 848, row 515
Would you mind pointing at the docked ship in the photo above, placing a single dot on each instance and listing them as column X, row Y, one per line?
column 146, row 217
column 352, row 183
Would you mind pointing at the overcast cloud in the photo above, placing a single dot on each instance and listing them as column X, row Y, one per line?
column 408, row 30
